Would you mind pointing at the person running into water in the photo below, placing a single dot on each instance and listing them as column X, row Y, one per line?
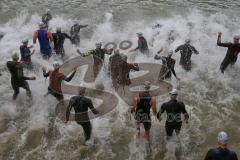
column 114, row 64
column 124, row 70
column 17, row 77
column 221, row 152
column 168, row 64
column 55, row 80
column 45, row 38
column 232, row 52
column 142, row 45
column 74, row 33
column 98, row 57
column 174, row 108
column 26, row 54
column 142, row 105
column 186, row 51
column 81, row 104
column 46, row 18
column 58, row 40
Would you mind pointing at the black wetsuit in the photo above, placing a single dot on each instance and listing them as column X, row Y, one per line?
column 174, row 109
column 58, row 40
column 186, row 51
column 221, row 154
column 98, row 59
column 114, row 63
column 124, row 72
column 81, row 106
column 142, row 45
column 26, row 56
column 17, row 78
column 142, row 114
column 46, row 18
column 167, row 68
column 231, row 56
column 75, row 29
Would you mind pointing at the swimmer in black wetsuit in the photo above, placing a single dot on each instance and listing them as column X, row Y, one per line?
column 142, row 45
column 168, row 64
column 222, row 152
column 74, row 32
column 26, row 54
column 186, row 51
column 232, row 52
column 17, row 77
column 58, row 40
column 81, row 104
column 174, row 108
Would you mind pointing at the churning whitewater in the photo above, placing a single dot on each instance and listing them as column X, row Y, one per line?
column 31, row 129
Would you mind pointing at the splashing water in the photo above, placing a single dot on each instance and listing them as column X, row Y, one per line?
column 30, row 131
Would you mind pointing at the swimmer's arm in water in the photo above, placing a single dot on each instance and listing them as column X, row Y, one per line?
column 45, row 74
column 91, row 107
column 160, row 51
column 67, row 36
column 139, row 45
column 83, row 26
column 50, row 37
column 157, row 57
column 68, row 79
column 194, row 50
column 173, row 72
column 179, row 48
column 162, row 110
column 35, row 35
column 219, row 43
column 134, row 67
column 154, row 105
column 79, row 52
column 186, row 115
column 91, row 52
column 134, row 104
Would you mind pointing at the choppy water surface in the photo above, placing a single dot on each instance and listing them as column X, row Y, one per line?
column 26, row 130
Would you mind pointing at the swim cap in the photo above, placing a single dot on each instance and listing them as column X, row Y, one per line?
column 174, row 92
column 147, row 85
column 41, row 24
column 15, row 56
column 187, row 41
column 139, row 34
column 56, row 64
column 25, row 41
column 170, row 52
column 99, row 44
column 237, row 37
column 222, row 137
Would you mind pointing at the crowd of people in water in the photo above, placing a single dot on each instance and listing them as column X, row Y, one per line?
column 119, row 70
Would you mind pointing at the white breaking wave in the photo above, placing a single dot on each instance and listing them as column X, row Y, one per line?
column 211, row 98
